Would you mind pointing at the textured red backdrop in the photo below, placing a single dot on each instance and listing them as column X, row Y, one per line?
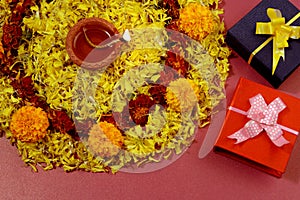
column 214, row 177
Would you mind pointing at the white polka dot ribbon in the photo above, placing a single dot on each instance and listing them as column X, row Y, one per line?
column 262, row 117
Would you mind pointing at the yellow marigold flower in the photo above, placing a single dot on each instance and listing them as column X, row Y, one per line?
column 29, row 124
column 105, row 139
column 182, row 94
column 196, row 21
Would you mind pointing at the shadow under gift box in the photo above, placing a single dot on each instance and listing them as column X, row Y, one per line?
column 259, row 151
column 243, row 40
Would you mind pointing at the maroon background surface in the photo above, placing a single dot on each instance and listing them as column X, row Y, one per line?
column 214, row 177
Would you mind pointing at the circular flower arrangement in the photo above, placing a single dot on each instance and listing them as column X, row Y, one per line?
column 142, row 108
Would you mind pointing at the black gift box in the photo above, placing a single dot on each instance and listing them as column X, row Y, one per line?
column 242, row 38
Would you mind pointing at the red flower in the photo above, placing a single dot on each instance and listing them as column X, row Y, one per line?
column 12, row 34
column 27, row 82
column 139, row 109
column 38, row 102
column 24, row 87
column 177, row 62
column 6, row 39
column 62, row 122
column 172, row 7
column 158, row 92
column 8, row 28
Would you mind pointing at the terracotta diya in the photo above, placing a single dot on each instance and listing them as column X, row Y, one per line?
column 94, row 43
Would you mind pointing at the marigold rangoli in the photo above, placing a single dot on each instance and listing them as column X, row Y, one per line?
column 37, row 71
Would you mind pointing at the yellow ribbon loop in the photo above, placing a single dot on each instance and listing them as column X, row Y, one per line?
column 281, row 32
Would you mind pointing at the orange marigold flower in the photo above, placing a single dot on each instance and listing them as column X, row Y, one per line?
column 182, row 94
column 105, row 139
column 196, row 21
column 29, row 124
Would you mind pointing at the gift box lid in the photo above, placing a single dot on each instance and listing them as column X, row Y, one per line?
column 259, row 152
column 242, row 38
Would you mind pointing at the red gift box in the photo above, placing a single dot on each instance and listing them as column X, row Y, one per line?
column 258, row 149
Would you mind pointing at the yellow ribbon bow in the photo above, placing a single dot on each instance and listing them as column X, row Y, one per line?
column 281, row 32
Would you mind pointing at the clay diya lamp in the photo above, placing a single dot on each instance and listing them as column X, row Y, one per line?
column 94, row 43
